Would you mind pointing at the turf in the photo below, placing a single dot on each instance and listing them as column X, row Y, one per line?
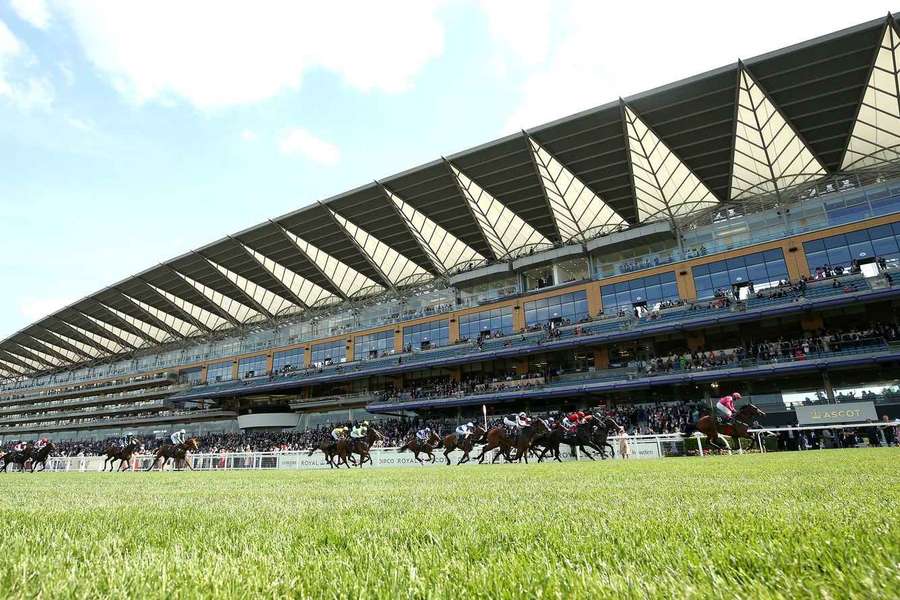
column 794, row 525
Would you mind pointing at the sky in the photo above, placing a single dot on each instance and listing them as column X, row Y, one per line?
column 132, row 132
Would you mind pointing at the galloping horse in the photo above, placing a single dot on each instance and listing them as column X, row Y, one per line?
column 122, row 453
column 177, row 453
column 29, row 453
column 495, row 437
column 417, row 446
column 452, row 442
column 522, row 443
column 328, row 448
column 345, row 449
column 602, row 426
column 708, row 426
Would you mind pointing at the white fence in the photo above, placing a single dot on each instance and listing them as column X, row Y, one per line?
column 640, row 447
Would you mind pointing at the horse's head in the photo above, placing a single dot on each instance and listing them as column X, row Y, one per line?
column 192, row 444
column 373, row 434
column 752, row 410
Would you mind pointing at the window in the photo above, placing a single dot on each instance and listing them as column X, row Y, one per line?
column 253, row 366
column 427, row 335
column 842, row 249
column 569, row 307
column 373, row 345
column 652, row 290
column 287, row 360
column 762, row 269
column 487, row 321
column 191, row 376
column 329, row 353
column 218, row 372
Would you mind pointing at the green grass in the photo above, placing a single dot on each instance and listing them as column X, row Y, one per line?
column 798, row 525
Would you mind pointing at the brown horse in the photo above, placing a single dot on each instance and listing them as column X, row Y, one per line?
column 417, row 446
column 21, row 457
column 121, row 453
column 345, row 449
column 496, row 438
column 522, row 443
column 739, row 427
column 328, row 448
column 168, row 452
column 452, row 442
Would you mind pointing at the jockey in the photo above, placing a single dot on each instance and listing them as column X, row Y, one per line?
column 522, row 421
column 41, row 443
column 358, row 432
column 465, row 430
column 339, row 433
column 126, row 439
column 178, row 437
column 570, row 422
column 423, row 434
column 19, row 447
column 725, row 406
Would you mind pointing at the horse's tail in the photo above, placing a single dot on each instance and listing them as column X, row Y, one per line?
column 312, row 451
column 689, row 429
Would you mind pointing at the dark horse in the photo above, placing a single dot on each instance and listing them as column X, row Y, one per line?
column 600, row 435
column 122, row 453
column 37, row 457
column 345, row 449
column 168, row 452
column 328, row 448
column 522, row 443
column 417, row 446
column 452, row 442
column 584, row 435
column 709, row 426
column 495, row 437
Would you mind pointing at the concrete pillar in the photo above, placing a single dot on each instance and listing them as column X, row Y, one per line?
column 556, row 274
column 601, row 358
column 453, row 329
column 270, row 362
column 521, row 365
column 307, row 356
column 695, row 340
column 594, row 300
column 684, row 279
column 519, row 316
column 829, row 389
column 795, row 259
column 203, row 374
column 811, row 322
column 455, row 374
column 398, row 339
column 351, row 349
column 234, row 369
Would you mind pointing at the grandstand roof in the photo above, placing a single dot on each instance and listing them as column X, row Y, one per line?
column 826, row 105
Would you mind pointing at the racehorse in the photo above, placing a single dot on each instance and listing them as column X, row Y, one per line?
column 18, row 457
column 452, row 442
column 177, row 453
column 709, row 426
column 600, row 435
column 417, row 446
column 522, row 444
column 121, row 453
column 495, row 437
column 328, row 448
column 345, row 449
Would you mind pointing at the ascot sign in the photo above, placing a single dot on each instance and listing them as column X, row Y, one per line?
column 830, row 414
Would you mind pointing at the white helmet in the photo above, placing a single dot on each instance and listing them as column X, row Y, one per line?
column 470, row 424
column 522, row 414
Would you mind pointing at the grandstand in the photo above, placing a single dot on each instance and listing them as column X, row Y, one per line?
column 751, row 207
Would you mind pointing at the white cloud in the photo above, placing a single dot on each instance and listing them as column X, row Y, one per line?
column 34, row 12
column 299, row 141
column 27, row 92
column 596, row 52
column 34, row 309
column 248, row 135
column 216, row 54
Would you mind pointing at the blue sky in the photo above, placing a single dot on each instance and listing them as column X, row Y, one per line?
column 131, row 132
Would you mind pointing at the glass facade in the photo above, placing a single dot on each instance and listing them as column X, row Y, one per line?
column 191, row 376
column 487, row 321
column 427, row 335
column 329, row 352
column 841, row 250
column 253, row 366
column 373, row 345
column 572, row 307
column 219, row 372
column 762, row 269
column 287, row 360
column 652, row 290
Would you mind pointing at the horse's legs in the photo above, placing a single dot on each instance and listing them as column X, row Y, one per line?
column 586, row 453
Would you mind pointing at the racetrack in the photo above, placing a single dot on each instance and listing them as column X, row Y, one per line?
column 799, row 525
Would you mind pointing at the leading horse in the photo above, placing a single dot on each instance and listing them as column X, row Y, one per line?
column 738, row 428
column 120, row 453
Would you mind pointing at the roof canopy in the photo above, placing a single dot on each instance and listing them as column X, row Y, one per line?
column 750, row 128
